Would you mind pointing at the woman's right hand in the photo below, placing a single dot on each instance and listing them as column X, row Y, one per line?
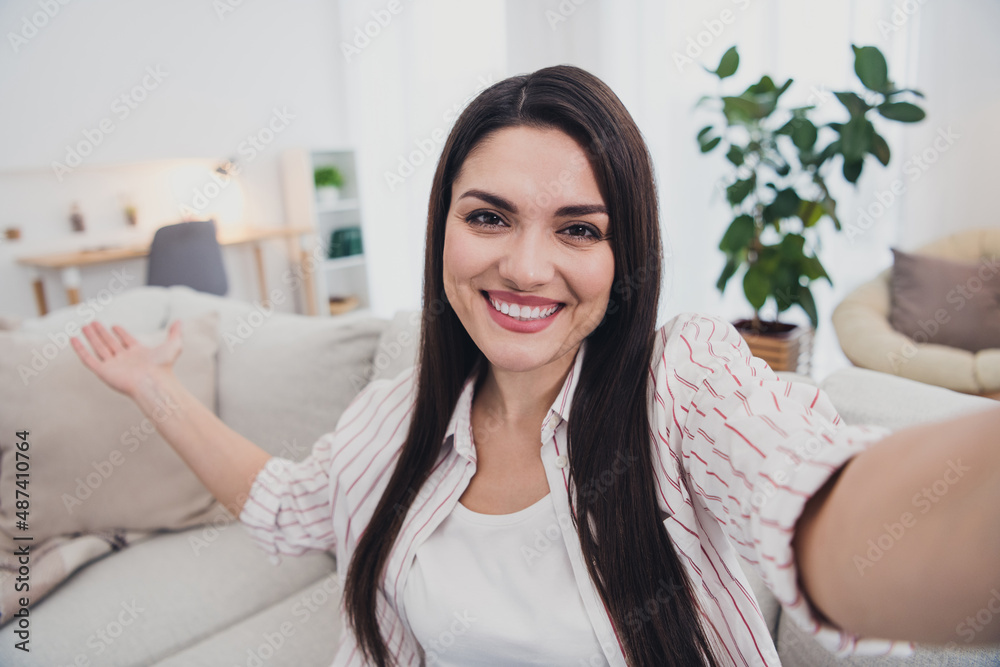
column 121, row 361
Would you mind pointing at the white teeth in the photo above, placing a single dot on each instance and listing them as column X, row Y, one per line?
column 523, row 313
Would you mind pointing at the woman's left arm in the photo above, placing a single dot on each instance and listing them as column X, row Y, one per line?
column 905, row 541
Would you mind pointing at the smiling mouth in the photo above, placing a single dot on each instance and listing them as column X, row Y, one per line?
column 522, row 313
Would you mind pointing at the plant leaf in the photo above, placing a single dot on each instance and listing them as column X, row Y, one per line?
column 855, row 105
column 810, row 212
column 740, row 190
column 727, row 272
column 740, row 110
column 813, row 269
column 852, row 170
column 904, row 112
column 785, row 205
column 727, row 66
column 808, row 304
column 738, row 236
column 703, row 131
column 756, row 286
column 880, row 149
column 804, row 134
column 710, row 144
column 856, row 138
column 735, row 155
column 871, row 68
column 791, row 247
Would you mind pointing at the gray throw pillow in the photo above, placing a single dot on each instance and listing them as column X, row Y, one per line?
column 945, row 302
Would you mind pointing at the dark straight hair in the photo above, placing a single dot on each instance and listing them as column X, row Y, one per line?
column 628, row 552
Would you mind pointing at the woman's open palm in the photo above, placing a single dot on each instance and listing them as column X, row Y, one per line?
column 120, row 360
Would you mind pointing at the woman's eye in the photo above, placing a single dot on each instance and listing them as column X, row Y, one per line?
column 484, row 219
column 584, row 232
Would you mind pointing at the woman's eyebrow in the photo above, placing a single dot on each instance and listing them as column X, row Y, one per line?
column 569, row 211
column 578, row 210
column 491, row 199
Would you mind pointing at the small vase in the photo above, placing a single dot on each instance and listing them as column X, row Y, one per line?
column 327, row 196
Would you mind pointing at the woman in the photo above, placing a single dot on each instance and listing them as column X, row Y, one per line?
column 469, row 531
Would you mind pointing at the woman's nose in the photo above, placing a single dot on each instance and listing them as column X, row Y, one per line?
column 528, row 262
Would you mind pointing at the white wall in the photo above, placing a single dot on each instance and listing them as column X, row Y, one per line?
column 222, row 75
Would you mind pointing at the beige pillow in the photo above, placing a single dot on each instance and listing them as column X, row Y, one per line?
column 945, row 302
column 95, row 463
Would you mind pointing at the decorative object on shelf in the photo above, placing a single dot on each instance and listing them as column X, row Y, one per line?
column 76, row 218
column 777, row 187
column 343, row 304
column 345, row 242
column 12, row 233
column 344, row 269
column 328, row 182
column 131, row 216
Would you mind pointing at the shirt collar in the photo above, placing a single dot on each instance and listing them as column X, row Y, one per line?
column 460, row 425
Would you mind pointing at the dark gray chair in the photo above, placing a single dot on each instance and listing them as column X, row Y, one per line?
column 187, row 254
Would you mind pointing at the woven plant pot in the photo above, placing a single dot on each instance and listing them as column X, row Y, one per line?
column 785, row 347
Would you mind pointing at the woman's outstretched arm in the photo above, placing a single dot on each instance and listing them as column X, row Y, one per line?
column 905, row 541
column 224, row 461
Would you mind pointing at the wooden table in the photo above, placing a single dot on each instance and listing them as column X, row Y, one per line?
column 69, row 263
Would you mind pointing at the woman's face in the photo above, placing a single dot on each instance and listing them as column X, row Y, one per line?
column 527, row 232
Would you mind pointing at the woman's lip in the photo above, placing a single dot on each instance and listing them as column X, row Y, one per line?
column 521, row 299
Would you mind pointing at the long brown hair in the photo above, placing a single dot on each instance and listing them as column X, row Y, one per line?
column 628, row 553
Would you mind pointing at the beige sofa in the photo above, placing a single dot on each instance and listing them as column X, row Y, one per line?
column 869, row 341
column 207, row 596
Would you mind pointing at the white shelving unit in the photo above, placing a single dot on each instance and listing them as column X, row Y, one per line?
column 330, row 278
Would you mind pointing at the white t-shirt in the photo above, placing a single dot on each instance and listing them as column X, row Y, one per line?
column 490, row 589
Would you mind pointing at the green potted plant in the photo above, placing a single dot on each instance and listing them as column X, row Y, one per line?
column 780, row 159
column 328, row 181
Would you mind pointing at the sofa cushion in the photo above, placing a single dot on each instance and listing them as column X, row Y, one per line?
column 284, row 380
column 159, row 596
column 303, row 629
column 956, row 304
column 863, row 396
column 398, row 347
column 94, row 462
column 141, row 309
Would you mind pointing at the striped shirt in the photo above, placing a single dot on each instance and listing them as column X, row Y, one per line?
column 736, row 452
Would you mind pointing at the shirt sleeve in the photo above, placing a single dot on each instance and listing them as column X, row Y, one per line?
column 289, row 509
column 754, row 449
